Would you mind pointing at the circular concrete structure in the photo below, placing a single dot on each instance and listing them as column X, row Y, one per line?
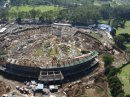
column 48, row 53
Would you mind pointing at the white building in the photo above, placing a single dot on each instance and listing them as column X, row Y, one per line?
column 3, row 30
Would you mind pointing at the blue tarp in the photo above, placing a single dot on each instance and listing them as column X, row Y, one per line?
column 104, row 26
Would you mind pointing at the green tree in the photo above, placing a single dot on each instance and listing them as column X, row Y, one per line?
column 85, row 15
column 4, row 14
column 119, row 40
column 115, row 86
column 128, row 95
column 108, row 59
column 33, row 13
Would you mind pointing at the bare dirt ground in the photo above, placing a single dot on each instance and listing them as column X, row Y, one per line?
column 89, row 89
column 7, row 85
column 4, row 88
column 119, row 60
column 92, row 85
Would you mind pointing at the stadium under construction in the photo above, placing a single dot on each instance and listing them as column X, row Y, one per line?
column 49, row 53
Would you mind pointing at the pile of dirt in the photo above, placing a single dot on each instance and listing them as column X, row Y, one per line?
column 76, row 91
column 96, row 86
column 4, row 87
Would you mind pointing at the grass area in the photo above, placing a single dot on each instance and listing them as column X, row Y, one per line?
column 119, row 30
column 125, row 30
column 125, row 78
column 27, row 8
column 127, row 46
column 103, row 21
column 38, row 52
column 24, row 11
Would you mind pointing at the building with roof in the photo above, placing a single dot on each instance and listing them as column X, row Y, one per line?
column 105, row 27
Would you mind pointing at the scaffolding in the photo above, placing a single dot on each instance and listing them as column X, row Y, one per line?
column 48, row 76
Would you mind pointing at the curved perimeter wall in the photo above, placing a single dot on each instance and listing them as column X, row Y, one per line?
column 33, row 72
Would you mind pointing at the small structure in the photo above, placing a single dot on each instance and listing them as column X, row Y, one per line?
column 52, row 95
column 3, row 30
column 53, row 88
column 4, row 95
column 46, row 76
column 62, row 24
column 105, row 27
column 39, row 87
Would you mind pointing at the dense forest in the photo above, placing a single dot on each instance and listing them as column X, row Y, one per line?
column 81, row 14
column 64, row 2
column 57, row 2
column 61, row 2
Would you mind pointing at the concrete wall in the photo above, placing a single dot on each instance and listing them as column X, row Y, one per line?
column 33, row 72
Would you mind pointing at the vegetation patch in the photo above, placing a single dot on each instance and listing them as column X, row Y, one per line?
column 124, row 76
column 126, row 29
column 28, row 11
column 27, row 8
column 38, row 52
column 127, row 46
